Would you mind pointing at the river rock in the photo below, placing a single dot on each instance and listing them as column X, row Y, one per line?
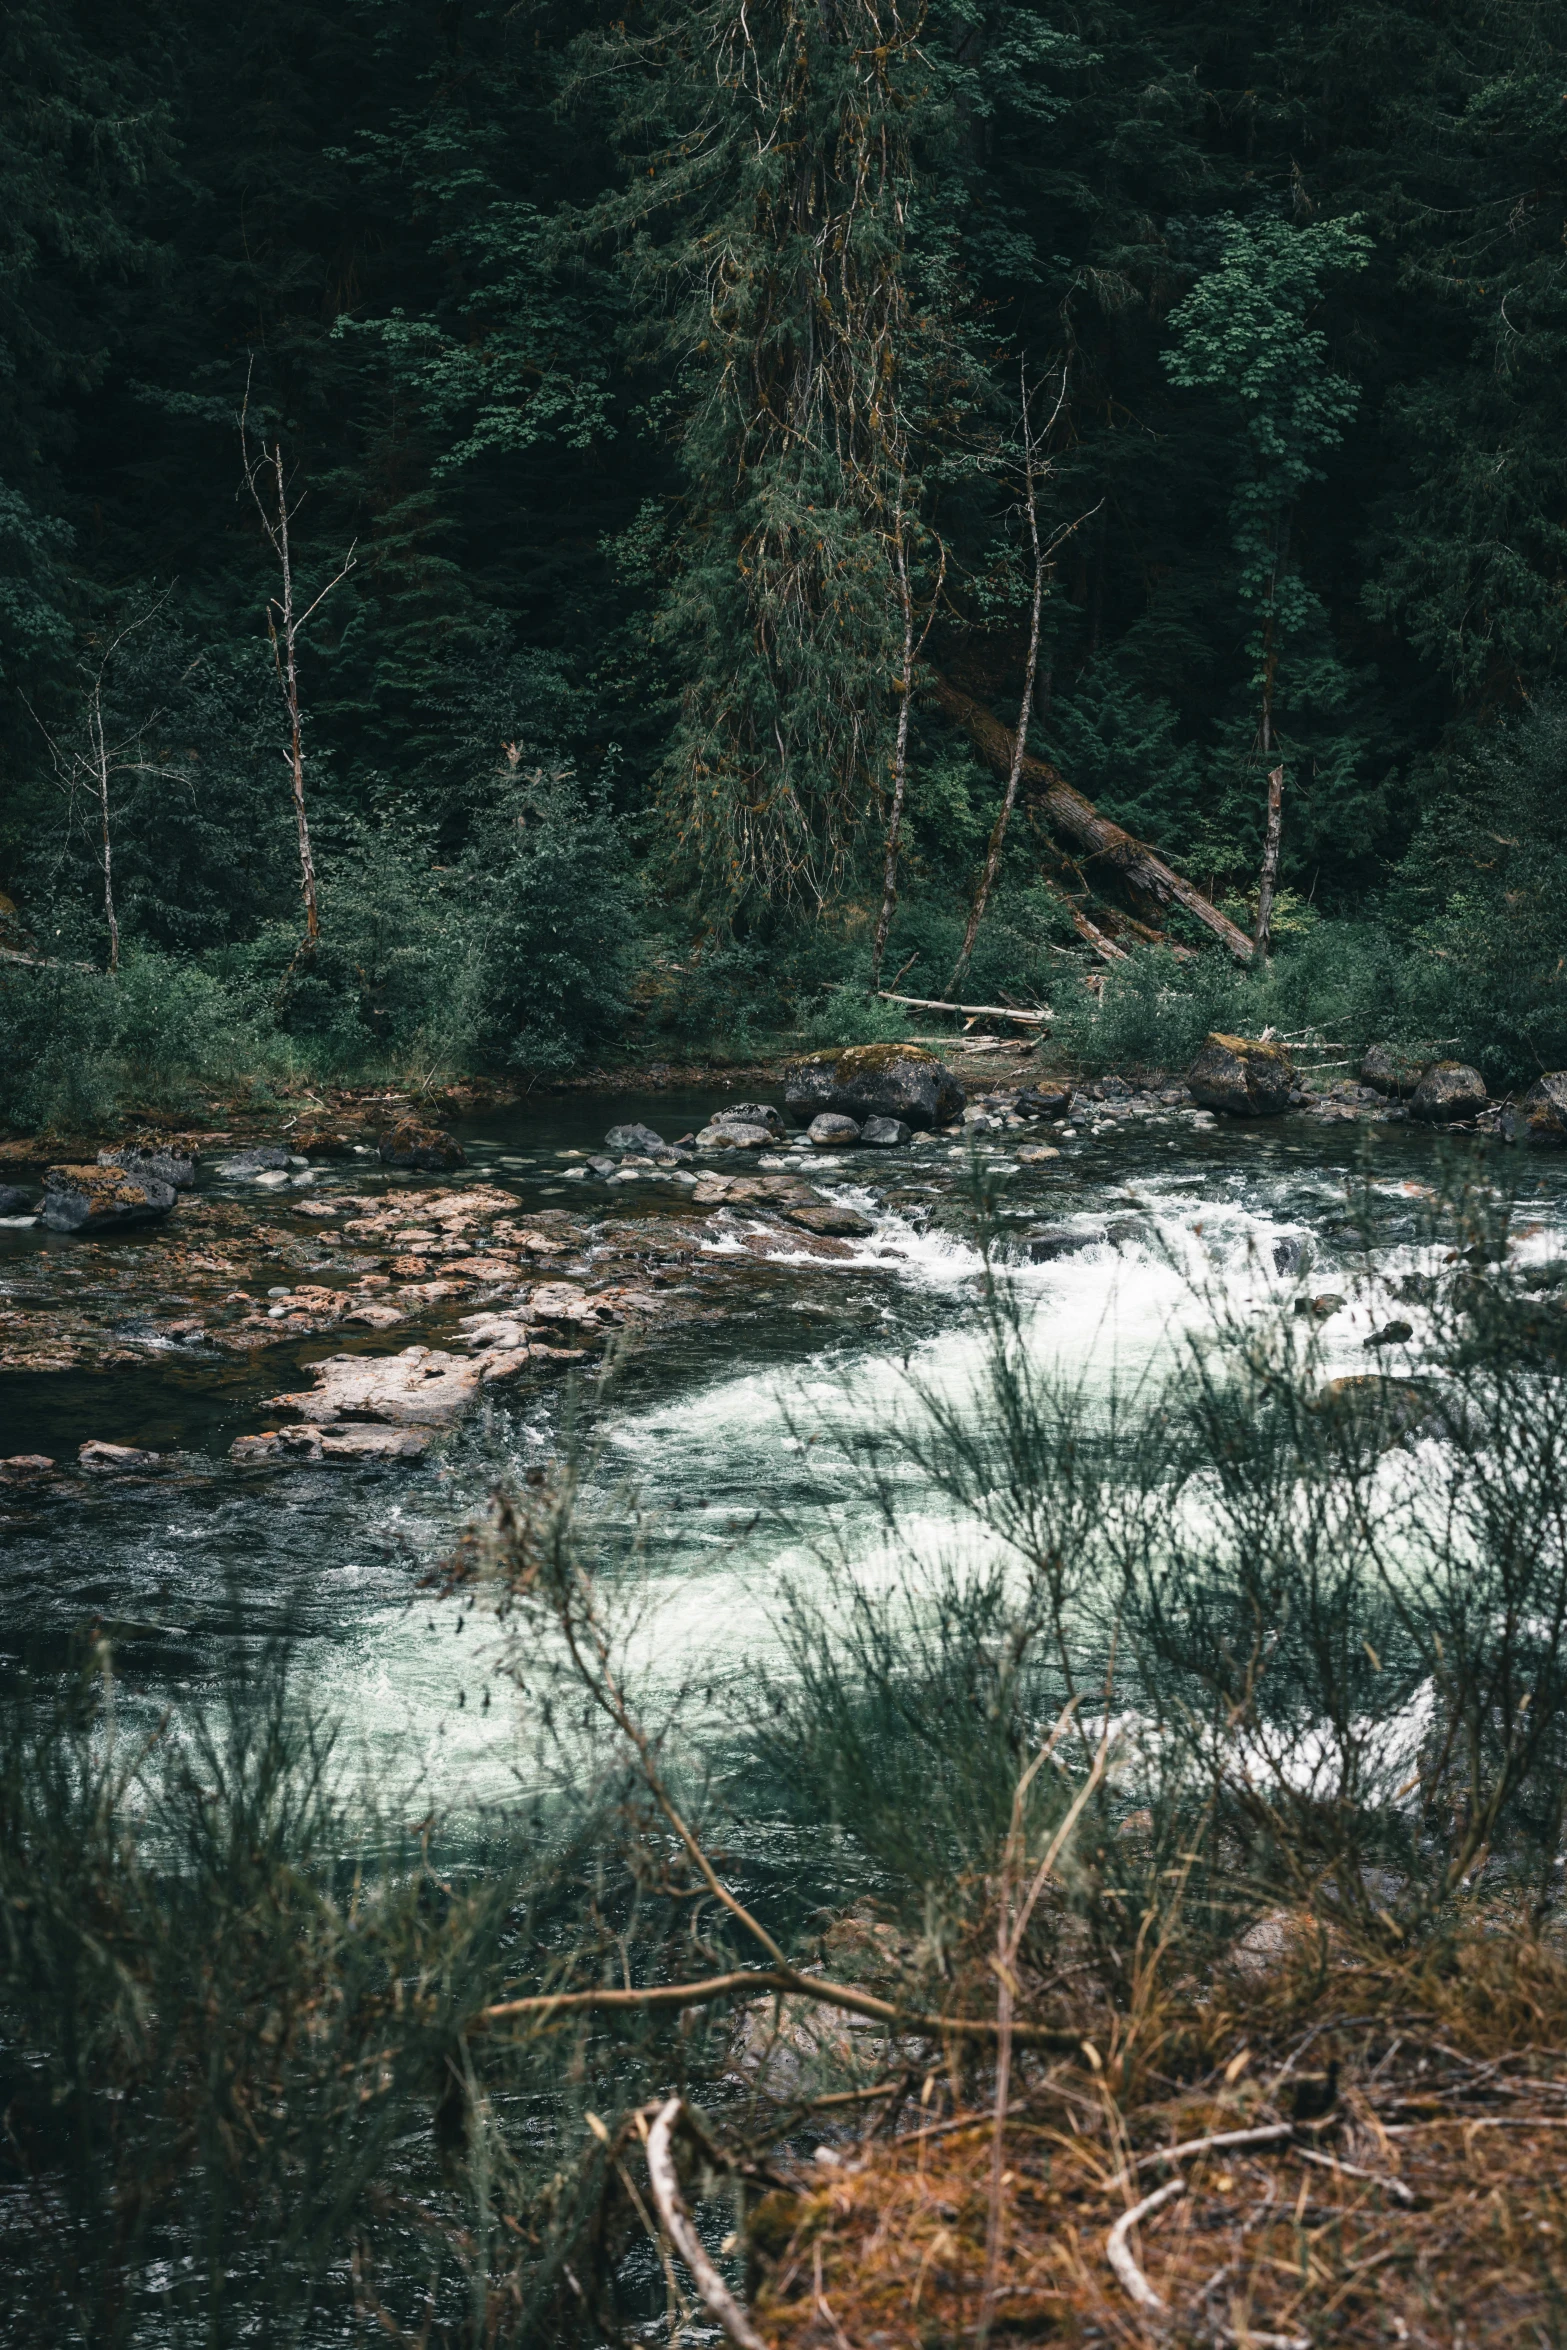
column 1544, row 1108
column 118, row 1460
column 1393, row 1069
column 831, row 1131
column 305, row 1441
column 14, row 1201
column 732, row 1135
column 1046, row 1098
column 753, row 1114
column 170, row 1167
column 263, row 1160
column 884, row 1134
column 411, row 1143
column 635, row 1141
column 26, row 1468
column 1366, row 1405
column 1044, row 1248
column 1034, row 1154
column 830, row 1220
column 874, row 1081
column 103, row 1199
column 1448, row 1091
column 1243, row 1075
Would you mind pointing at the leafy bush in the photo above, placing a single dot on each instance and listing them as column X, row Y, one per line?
column 75, row 1042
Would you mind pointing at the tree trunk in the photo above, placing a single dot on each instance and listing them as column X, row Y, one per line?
column 1145, row 876
column 1268, row 879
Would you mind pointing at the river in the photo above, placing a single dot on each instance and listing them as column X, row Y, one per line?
column 713, row 1469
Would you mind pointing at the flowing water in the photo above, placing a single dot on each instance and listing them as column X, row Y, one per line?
column 708, row 1443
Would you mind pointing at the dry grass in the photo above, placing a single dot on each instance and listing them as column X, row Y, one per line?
column 1452, row 2081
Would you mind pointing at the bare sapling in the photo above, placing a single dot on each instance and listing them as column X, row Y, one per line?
column 85, row 770
column 1035, row 469
column 912, row 649
column 267, row 481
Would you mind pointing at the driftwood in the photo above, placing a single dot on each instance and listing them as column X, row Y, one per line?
column 1119, row 2252
column 1143, row 874
column 677, row 2225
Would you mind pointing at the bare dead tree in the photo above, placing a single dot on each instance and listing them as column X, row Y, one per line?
column 267, row 481
column 1036, row 468
column 912, row 650
column 87, row 769
column 1267, row 881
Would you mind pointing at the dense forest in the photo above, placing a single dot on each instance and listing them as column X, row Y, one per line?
column 529, row 531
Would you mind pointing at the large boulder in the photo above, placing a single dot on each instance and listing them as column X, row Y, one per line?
column 14, row 1201
column 410, row 1143
column 1392, row 1069
column 1243, row 1075
column 1448, row 1091
column 751, row 1114
column 172, row 1167
column 1544, row 1108
column 874, row 1081
column 103, row 1199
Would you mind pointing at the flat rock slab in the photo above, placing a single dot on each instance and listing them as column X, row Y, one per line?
column 304, row 1441
column 422, row 1387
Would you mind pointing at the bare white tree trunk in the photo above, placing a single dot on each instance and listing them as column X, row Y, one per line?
column 284, row 626
column 1268, row 879
column 900, row 748
column 101, row 772
column 1033, row 468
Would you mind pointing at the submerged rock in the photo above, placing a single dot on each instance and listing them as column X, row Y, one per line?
column 1448, row 1091
column 875, row 1081
column 830, row 1220
column 103, row 1199
column 263, row 1160
column 410, row 1143
column 1242, row 1075
column 1544, row 1108
column 634, row 1139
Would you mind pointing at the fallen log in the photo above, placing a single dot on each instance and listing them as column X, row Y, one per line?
column 1140, row 871
column 926, row 1003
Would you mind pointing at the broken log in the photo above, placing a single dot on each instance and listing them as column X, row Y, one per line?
column 1140, row 871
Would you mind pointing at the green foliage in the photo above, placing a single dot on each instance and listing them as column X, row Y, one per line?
column 75, row 1043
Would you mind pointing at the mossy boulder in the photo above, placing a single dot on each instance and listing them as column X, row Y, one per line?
column 1449, row 1091
column 411, row 1143
column 1242, row 1075
column 1544, row 1108
column 1393, row 1069
column 103, row 1199
column 874, row 1081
